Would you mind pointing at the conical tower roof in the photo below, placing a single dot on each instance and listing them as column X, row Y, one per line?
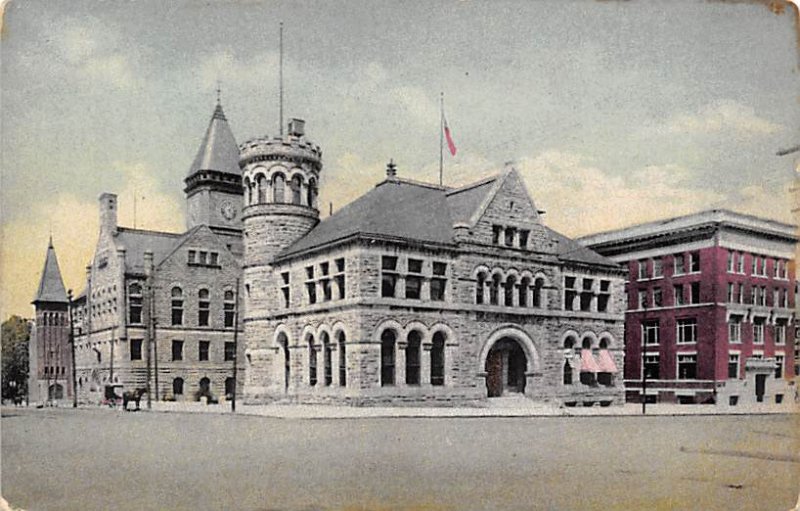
column 219, row 150
column 51, row 287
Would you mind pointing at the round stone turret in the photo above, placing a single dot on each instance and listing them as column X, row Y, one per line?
column 280, row 176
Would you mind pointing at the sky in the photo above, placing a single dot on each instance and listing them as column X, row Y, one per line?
column 614, row 113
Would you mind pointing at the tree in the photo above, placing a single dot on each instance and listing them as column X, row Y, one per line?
column 16, row 332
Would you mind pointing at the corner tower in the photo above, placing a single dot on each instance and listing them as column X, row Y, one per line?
column 214, row 182
column 280, row 177
column 50, row 364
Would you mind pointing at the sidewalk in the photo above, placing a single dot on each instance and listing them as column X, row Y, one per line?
column 511, row 409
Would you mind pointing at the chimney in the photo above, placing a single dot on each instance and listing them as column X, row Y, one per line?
column 297, row 127
column 391, row 169
column 108, row 213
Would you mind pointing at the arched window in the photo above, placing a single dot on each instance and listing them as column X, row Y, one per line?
column 177, row 387
column 278, row 188
column 480, row 285
column 283, row 342
column 205, row 389
column 203, row 307
column 524, row 287
column 538, row 286
column 177, row 306
column 388, row 338
column 494, row 289
column 342, row 360
column 413, row 357
column 135, row 304
column 509, row 290
column 229, row 308
column 326, row 359
column 312, row 193
column 262, row 189
column 248, row 198
column 312, row 362
column 297, row 189
column 437, row 359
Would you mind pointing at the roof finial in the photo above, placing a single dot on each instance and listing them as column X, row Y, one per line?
column 219, row 92
column 391, row 168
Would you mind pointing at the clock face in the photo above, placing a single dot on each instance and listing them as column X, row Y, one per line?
column 228, row 210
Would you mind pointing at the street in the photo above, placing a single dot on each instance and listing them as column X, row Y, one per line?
column 88, row 459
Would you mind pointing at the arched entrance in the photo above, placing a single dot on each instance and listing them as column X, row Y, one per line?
column 506, row 364
column 56, row 391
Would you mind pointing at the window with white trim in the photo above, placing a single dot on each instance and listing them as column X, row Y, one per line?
column 679, row 264
column 740, row 263
column 389, row 276
column 694, row 292
column 779, row 366
column 694, row 262
column 678, row 298
column 758, row 330
column 687, row 366
column 733, row 366
column 731, row 257
column 658, row 299
column 285, row 289
column 650, row 332
column 735, row 329
column 643, row 299
column 780, row 331
column 731, row 292
column 658, row 268
column 687, row 330
column 652, row 366
column 643, row 269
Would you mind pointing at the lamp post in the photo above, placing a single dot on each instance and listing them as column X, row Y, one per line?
column 72, row 350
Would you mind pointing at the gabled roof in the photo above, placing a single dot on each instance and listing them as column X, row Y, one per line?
column 407, row 210
column 51, row 285
column 136, row 241
column 219, row 150
column 395, row 208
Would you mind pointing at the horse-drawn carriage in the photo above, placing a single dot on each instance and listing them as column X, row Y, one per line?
column 115, row 394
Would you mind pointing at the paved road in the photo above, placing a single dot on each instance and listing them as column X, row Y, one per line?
column 65, row 459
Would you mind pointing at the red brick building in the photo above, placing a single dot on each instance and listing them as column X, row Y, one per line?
column 710, row 296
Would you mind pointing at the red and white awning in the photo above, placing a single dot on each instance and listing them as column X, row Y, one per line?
column 588, row 363
column 607, row 364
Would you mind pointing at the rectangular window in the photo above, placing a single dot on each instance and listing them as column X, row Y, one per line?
column 510, row 231
column 309, row 272
column 776, row 264
column 327, row 289
column 135, row 309
column 694, row 294
column 389, row 263
column 340, row 286
column 203, row 307
column 776, row 297
column 758, row 330
column 740, row 263
column 731, row 257
column 324, row 268
column 388, row 285
column 694, row 262
column 192, row 256
column 731, row 292
column 687, row 330
column 754, row 295
column 414, row 266
column 177, row 350
column 687, row 366
column 496, row 230
column 735, row 329
column 604, row 297
column 680, row 269
column 740, row 294
column 658, row 300
column 285, row 280
column 569, row 293
column 177, row 312
column 202, row 350
column 136, row 349
column 229, row 311
column 203, row 259
column 780, row 332
column 733, row 366
column 439, row 281
column 778, row 366
column 213, row 259
column 756, row 264
column 678, row 294
column 652, row 367
column 413, row 287
column 311, row 291
column 230, row 351
column 763, row 272
column 340, row 265
column 523, row 238
column 658, row 268
column 650, row 332
column 643, row 269
column 643, row 299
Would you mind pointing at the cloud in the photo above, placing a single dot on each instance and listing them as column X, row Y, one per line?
column 723, row 115
column 74, row 222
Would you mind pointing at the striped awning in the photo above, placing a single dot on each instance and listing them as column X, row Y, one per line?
column 607, row 364
column 588, row 363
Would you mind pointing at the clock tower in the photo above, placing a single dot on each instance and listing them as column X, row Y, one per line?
column 213, row 190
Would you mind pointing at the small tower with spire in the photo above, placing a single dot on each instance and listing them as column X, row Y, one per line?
column 50, row 363
column 214, row 182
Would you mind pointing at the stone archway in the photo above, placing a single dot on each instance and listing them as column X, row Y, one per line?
column 506, row 367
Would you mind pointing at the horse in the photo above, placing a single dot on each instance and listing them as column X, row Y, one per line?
column 135, row 396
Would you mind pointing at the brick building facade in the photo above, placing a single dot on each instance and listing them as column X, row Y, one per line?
column 711, row 296
column 417, row 293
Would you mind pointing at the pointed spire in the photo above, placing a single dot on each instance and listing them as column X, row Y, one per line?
column 219, row 150
column 51, row 286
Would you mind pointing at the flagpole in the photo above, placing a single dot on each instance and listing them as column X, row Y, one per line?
column 441, row 136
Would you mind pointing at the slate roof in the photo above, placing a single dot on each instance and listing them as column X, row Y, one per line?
column 219, row 150
column 51, row 285
column 420, row 212
column 136, row 241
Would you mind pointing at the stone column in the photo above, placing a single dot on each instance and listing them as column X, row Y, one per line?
column 400, row 363
column 400, row 287
column 334, row 364
column 425, row 365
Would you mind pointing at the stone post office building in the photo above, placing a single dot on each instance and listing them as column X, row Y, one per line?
column 418, row 293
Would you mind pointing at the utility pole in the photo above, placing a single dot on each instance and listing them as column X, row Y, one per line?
column 644, row 353
column 155, row 355
column 72, row 350
column 235, row 344
column 149, row 309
